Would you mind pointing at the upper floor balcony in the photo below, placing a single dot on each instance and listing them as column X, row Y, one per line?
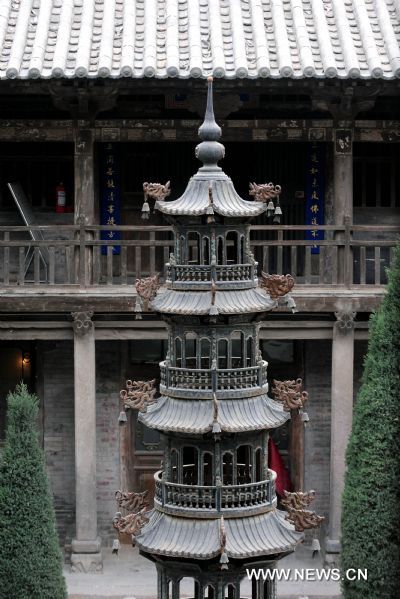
column 199, row 276
column 67, row 261
column 217, row 500
column 202, row 382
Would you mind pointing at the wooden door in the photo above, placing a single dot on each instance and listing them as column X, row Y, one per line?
column 141, row 449
column 285, row 361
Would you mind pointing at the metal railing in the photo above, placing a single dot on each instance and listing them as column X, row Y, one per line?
column 222, row 498
column 73, row 255
column 223, row 273
column 220, row 379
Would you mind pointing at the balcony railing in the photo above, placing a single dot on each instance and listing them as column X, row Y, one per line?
column 75, row 256
column 225, row 275
column 214, row 500
column 203, row 382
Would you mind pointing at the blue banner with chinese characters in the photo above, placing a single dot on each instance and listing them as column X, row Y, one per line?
column 110, row 194
column 315, row 192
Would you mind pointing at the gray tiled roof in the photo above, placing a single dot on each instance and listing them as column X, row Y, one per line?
column 241, row 301
column 251, row 536
column 183, row 38
column 196, row 416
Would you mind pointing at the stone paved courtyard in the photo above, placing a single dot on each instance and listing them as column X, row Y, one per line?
column 130, row 576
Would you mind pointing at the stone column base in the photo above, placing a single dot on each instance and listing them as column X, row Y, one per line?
column 86, row 556
column 332, row 553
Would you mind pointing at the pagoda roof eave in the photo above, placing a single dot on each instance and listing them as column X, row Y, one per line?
column 226, row 202
column 173, row 536
column 196, row 416
column 238, row 301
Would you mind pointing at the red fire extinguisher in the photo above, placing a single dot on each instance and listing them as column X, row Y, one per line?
column 60, row 198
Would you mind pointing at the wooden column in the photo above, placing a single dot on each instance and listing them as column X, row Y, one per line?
column 85, row 210
column 343, row 196
column 86, row 547
column 125, row 429
column 341, row 421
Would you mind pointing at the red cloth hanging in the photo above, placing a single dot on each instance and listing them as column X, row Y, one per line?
column 276, row 464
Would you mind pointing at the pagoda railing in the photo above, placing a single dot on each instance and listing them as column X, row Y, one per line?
column 215, row 500
column 223, row 274
column 93, row 256
column 201, row 381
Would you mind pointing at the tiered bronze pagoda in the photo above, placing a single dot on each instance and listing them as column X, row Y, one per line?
column 215, row 508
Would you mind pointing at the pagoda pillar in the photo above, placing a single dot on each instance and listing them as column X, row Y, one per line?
column 175, row 589
column 341, row 421
column 162, row 583
column 86, row 546
column 270, row 589
column 263, row 589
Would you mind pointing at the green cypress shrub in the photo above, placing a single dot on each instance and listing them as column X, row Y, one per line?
column 30, row 557
column 371, row 498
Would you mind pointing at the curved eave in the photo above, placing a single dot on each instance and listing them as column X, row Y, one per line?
column 194, row 416
column 226, row 202
column 264, row 534
column 241, row 301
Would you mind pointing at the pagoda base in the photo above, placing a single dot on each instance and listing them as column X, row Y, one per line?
column 332, row 553
column 209, row 581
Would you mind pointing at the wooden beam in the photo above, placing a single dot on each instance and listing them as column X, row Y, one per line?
column 318, row 303
column 30, row 334
column 159, row 325
column 169, row 130
column 126, row 330
column 11, row 303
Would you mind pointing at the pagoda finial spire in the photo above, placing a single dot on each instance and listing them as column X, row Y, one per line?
column 209, row 130
column 210, row 151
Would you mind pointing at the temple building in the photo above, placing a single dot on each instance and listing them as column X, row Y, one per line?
column 98, row 97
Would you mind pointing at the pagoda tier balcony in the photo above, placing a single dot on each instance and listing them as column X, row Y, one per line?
column 202, row 383
column 199, row 276
column 215, row 501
